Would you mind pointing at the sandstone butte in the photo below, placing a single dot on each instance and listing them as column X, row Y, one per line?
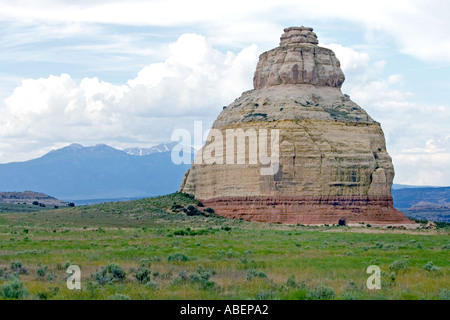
column 333, row 162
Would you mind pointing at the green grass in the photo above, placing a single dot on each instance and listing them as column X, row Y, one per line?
column 238, row 259
column 16, row 208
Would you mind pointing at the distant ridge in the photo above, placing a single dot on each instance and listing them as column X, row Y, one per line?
column 430, row 203
column 28, row 197
column 95, row 172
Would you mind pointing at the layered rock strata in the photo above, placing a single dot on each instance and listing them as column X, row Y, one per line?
column 331, row 162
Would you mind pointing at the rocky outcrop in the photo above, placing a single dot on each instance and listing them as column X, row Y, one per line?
column 298, row 60
column 331, row 159
column 28, row 197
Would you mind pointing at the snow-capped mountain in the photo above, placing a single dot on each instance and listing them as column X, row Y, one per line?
column 76, row 172
column 163, row 147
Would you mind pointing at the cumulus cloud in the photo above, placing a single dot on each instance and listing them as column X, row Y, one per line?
column 418, row 136
column 195, row 81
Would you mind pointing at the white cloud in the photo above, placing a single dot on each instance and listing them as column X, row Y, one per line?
column 418, row 136
column 195, row 81
column 417, row 28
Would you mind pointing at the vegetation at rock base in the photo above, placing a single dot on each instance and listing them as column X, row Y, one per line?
column 151, row 249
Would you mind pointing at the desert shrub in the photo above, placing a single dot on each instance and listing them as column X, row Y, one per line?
column 182, row 278
column 41, row 271
column 379, row 245
column 398, row 265
column 178, row 257
column 47, row 294
column 15, row 289
column 4, row 275
column 291, row 283
column 145, row 262
column 176, row 207
column 201, row 277
column 51, row 276
column 390, row 246
column 321, row 292
column 209, row 210
column 151, row 285
column 109, row 274
column 192, row 211
column 431, row 267
column 248, row 262
column 180, row 233
column 252, row 273
column 143, row 274
column 444, row 294
column 18, row 268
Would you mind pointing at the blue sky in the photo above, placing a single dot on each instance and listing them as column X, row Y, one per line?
column 127, row 73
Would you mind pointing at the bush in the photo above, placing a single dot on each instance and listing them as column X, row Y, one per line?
column 252, row 273
column 180, row 233
column 182, row 278
column 14, row 289
column 41, row 271
column 178, row 257
column 201, row 277
column 109, row 274
column 431, row 267
column 321, row 292
column 45, row 295
column 291, row 283
column 445, row 294
column 18, row 268
column 143, row 275
column 398, row 265
column 4, row 275
column 151, row 285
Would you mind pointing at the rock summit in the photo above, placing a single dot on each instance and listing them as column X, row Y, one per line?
column 331, row 163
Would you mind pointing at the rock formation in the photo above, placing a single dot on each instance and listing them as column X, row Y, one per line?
column 332, row 162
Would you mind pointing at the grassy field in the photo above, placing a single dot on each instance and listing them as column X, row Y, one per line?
column 16, row 208
column 151, row 249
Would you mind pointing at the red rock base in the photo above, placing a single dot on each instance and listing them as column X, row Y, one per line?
column 309, row 211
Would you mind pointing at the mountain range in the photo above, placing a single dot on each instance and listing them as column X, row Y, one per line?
column 99, row 172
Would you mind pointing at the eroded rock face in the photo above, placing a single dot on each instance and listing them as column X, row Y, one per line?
column 298, row 60
column 332, row 162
